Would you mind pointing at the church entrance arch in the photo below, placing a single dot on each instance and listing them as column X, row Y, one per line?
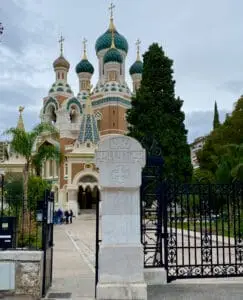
column 88, row 192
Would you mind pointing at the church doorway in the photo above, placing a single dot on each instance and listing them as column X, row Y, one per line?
column 88, row 193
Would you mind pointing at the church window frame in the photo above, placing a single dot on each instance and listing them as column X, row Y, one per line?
column 66, row 169
column 74, row 112
column 84, row 84
column 112, row 76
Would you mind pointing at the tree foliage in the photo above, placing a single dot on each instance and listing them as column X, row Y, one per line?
column 36, row 189
column 156, row 114
column 23, row 143
column 216, row 122
column 222, row 153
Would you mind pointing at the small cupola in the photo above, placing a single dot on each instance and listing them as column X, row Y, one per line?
column 84, row 70
column 136, row 69
column 112, row 62
column 61, row 65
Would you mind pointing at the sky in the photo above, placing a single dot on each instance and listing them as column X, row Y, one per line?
column 204, row 39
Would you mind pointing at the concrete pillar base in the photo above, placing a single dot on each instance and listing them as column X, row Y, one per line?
column 125, row 291
column 155, row 276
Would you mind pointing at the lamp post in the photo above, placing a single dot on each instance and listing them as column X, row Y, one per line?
column 2, row 173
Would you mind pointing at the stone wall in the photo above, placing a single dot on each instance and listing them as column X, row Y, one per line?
column 21, row 272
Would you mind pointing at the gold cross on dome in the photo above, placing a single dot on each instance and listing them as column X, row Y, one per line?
column 61, row 44
column 138, row 43
column 21, row 109
column 112, row 6
column 85, row 44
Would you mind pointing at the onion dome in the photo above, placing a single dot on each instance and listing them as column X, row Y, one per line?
column 84, row 66
column 113, row 55
column 61, row 62
column 105, row 40
column 136, row 68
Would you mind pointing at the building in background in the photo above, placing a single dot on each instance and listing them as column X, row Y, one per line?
column 195, row 147
column 85, row 117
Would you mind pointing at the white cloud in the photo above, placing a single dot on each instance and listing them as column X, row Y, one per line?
column 204, row 38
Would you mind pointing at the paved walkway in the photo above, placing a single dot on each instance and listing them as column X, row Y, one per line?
column 74, row 274
column 73, row 267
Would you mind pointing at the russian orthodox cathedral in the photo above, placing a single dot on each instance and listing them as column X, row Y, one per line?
column 86, row 117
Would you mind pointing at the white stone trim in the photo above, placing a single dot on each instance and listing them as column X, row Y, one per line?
column 83, row 173
column 21, row 255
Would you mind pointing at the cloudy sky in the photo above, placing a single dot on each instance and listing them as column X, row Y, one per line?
column 204, row 38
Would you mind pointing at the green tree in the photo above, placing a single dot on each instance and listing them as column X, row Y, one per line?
column 23, row 143
column 229, row 161
column 156, row 114
column 202, row 176
column 216, row 122
column 36, row 190
column 218, row 154
column 13, row 191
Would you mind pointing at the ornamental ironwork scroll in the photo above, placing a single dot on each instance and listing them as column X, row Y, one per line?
column 204, row 230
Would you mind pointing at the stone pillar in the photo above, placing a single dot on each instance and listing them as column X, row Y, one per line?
column 73, row 201
column 120, row 160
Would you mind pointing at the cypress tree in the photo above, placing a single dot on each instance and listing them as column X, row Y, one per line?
column 156, row 116
column 216, row 122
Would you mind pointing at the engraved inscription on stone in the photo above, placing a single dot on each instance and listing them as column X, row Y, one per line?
column 119, row 174
column 122, row 143
column 120, row 156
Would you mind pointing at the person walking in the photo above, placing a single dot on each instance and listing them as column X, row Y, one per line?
column 70, row 216
column 66, row 216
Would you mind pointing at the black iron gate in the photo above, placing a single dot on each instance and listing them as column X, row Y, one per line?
column 204, row 224
column 47, row 240
column 151, row 210
column 192, row 230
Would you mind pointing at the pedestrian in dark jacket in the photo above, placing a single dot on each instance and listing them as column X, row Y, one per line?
column 70, row 216
column 66, row 216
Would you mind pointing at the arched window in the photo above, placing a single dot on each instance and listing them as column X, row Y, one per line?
column 62, row 75
column 51, row 113
column 74, row 111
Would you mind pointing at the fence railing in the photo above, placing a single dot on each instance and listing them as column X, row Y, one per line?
column 21, row 224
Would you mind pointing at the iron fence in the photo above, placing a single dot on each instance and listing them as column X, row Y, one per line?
column 21, row 220
column 204, row 230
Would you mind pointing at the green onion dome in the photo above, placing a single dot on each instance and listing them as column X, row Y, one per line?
column 84, row 66
column 113, row 55
column 136, row 68
column 61, row 62
column 104, row 41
